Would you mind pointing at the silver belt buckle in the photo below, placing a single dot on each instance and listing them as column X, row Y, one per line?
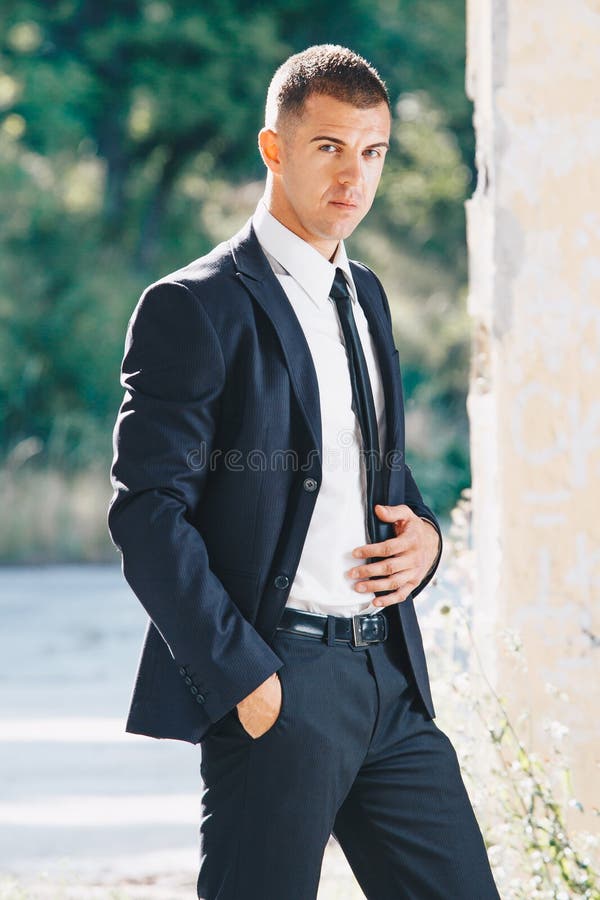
column 358, row 641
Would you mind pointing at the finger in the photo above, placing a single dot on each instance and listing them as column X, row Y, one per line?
column 393, row 583
column 389, row 566
column 397, row 596
column 391, row 547
column 393, row 513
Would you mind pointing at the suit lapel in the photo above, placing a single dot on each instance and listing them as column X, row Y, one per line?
column 256, row 274
column 253, row 269
column 371, row 303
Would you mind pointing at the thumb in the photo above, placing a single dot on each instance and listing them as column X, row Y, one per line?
column 393, row 513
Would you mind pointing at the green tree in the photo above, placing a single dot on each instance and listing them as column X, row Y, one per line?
column 127, row 147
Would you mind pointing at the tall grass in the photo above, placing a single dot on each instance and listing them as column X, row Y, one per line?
column 51, row 516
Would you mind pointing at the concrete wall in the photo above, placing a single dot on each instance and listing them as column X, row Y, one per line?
column 534, row 402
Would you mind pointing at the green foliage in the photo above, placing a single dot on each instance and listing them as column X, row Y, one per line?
column 128, row 146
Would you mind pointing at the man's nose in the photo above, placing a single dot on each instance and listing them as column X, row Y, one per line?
column 351, row 171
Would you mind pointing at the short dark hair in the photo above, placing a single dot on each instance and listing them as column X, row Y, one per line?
column 323, row 69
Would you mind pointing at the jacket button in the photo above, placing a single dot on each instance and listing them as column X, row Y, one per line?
column 309, row 484
column 188, row 680
column 182, row 670
column 281, row 582
column 199, row 698
column 194, row 689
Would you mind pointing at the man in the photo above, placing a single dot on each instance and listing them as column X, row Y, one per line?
column 261, row 432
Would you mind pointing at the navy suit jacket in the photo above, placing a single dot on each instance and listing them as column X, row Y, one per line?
column 217, row 449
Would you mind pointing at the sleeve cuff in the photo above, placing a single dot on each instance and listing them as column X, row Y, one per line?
column 427, row 578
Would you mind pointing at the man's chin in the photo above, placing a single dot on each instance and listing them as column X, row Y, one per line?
column 337, row 231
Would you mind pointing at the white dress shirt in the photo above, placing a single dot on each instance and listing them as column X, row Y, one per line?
column 338, row 523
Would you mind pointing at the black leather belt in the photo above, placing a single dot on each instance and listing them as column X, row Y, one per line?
column 358, row 630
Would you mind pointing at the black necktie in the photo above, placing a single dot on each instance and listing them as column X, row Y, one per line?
column 364, row 408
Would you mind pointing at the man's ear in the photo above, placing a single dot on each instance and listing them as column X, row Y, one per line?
column 269, row 144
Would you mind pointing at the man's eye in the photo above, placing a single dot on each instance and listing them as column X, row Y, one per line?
column 372, row 154
column 328, row 147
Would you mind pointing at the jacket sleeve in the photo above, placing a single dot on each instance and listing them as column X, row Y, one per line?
column 413, row 499
column 173, row 373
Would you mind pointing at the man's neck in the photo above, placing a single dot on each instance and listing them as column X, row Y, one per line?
column 285, row 215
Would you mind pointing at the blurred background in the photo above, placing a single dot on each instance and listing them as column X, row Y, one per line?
column 128, row 148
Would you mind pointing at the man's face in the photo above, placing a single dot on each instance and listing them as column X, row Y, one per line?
column 329, row 165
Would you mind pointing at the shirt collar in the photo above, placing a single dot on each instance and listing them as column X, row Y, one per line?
column 306, row 265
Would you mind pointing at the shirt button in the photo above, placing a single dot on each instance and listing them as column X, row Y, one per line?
column 194, row 689
column 188, row 680
column 200, row 698
column 309, row 484
column 182, row 670
column 281, row 582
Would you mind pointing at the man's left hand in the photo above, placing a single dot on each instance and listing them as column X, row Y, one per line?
column 408, row 556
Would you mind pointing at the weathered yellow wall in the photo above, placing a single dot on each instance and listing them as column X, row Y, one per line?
column 534, row 402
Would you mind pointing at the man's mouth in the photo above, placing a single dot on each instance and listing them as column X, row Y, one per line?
column 344, row 204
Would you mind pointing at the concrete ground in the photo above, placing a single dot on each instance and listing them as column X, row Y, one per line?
column 86, row 810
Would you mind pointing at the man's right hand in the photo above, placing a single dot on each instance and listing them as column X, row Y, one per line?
column 259, row 710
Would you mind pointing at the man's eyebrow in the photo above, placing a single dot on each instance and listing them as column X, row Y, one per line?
column 332, row 140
